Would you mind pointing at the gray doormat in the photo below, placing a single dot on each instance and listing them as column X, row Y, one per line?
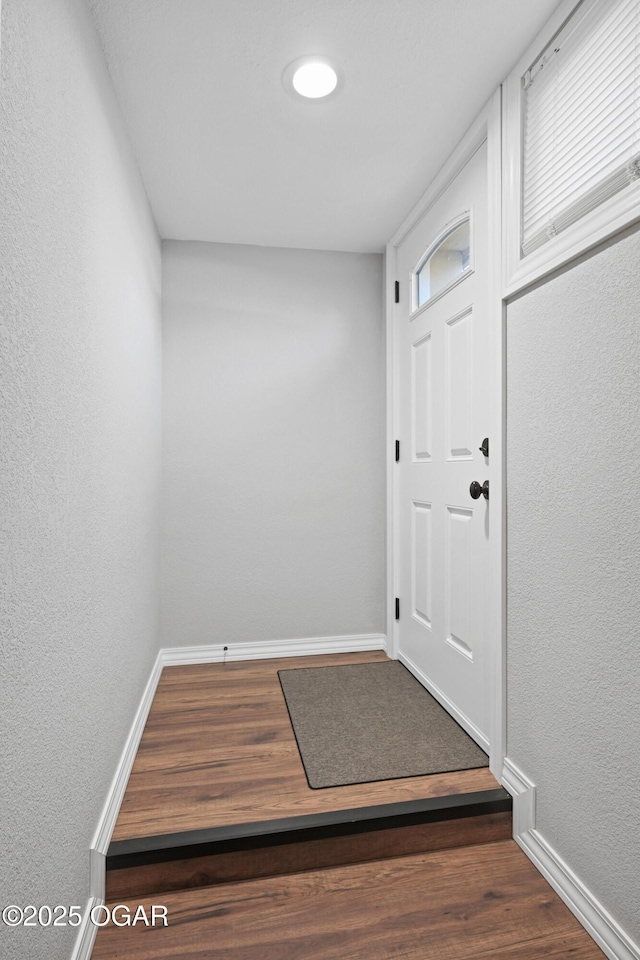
column 362, row 722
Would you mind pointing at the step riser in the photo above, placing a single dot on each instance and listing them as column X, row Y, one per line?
column 295, row 857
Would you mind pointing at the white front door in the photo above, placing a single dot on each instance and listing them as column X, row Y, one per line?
column 445, row 381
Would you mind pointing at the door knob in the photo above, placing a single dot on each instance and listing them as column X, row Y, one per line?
column 479, row 490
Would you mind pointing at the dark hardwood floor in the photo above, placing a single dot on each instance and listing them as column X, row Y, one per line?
column 439, row 880
column 484, row 902
column 218, row 749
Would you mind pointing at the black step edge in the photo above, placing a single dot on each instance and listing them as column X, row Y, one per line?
column 335, row 823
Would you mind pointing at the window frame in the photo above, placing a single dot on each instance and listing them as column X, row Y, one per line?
column 446, row 231
column 599, row 224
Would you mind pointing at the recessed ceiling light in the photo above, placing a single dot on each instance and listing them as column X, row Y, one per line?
column 313, row 77
column 314, row 80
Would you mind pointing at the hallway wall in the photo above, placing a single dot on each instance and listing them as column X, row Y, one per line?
column 274, row 400
column 573, row 656
column 79, row 455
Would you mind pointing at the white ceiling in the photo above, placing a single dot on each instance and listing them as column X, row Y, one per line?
column 227, row 155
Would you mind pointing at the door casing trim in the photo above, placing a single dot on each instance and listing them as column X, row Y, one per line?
column 488, row 126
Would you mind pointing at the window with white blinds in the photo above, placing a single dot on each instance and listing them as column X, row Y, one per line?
column 581, row 118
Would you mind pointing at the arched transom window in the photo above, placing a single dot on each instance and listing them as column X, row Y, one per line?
column 445, row 262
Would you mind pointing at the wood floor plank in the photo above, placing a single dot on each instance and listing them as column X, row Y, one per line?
column 218, row 749
column 125, row 883
column 471, row 902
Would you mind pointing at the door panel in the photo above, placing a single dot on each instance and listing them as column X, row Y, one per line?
column 459, row 389
column 445, row 381
column 422, row 565
column 422, row 401
column 459, row 602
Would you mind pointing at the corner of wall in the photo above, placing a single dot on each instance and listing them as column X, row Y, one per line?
column 109, row 815
column 593, row 916
column 523, row 792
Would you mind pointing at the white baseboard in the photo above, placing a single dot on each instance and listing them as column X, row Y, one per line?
column 596, row 920
column 523, row 792
column 267, row 649
column 86, row 933
column 442, row 699
column 109, row 815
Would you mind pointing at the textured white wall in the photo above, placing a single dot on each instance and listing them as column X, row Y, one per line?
column 273, row 487
column 79, row 455
column 574, row 565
